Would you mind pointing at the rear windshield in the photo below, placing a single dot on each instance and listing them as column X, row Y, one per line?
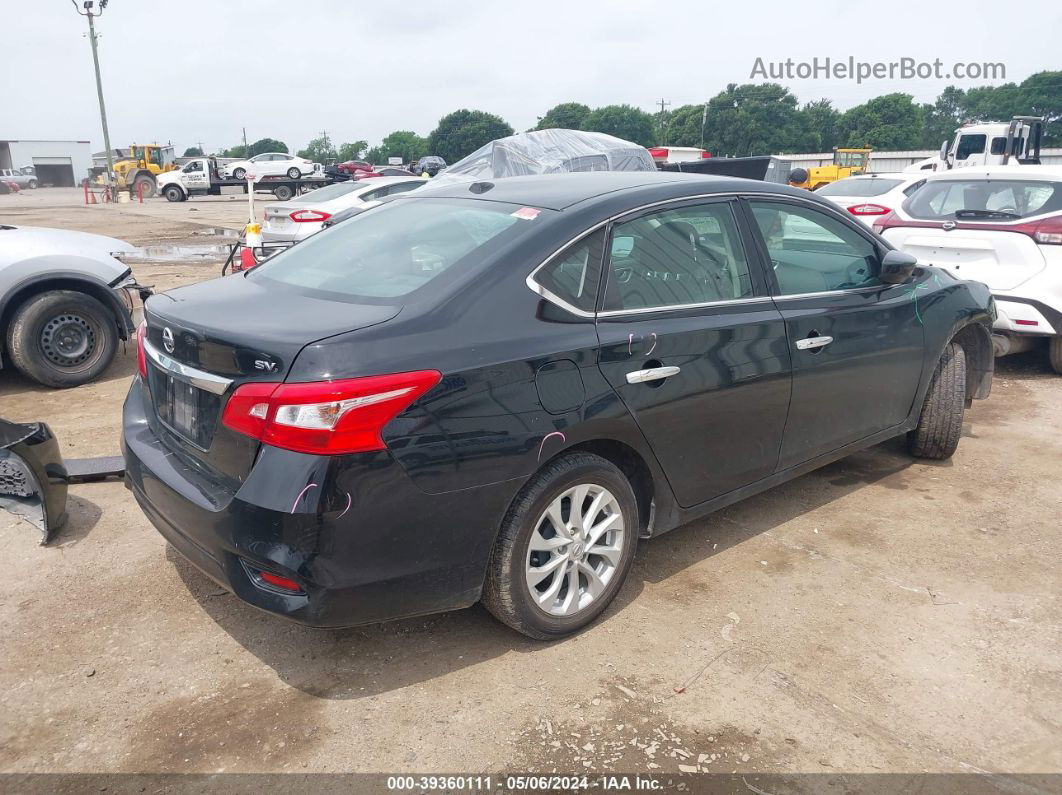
column 859, row 187
column 329, row 192
column 392, row 250
column 984, row 200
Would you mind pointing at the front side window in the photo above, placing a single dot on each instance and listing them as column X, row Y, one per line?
column 970, row 145
column 573, row 275
column 195, row 165
column 812, row 252
column 687, row 255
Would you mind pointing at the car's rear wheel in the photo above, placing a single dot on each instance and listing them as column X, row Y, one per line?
column 32, row 184
column 283, row 192
column 1054, row 351
column 565, row 547
column 294, row 173
column 940, row 424
column 62, row 338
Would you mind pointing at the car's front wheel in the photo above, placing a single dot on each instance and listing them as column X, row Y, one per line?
column 565, row 547
column 239, row 173
column 940, row 424
column 62, row 338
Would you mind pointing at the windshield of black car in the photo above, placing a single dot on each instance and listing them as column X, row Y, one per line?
column 859, row 187
column 399, row 247
column 985, row 199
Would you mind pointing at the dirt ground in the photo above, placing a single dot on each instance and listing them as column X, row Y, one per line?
column 880, row 614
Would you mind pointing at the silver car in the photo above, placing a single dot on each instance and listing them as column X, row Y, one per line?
column 24, row 178
column 291, row 221
column 66, row 299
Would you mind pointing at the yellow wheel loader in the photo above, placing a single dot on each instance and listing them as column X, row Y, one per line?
column 846, row 163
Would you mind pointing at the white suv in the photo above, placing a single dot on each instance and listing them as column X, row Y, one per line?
column 1001, row 226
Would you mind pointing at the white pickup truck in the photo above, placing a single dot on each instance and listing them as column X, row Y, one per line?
column 993, row 143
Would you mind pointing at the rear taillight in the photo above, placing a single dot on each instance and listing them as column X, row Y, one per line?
column 868, row 209
column 658, row 152
column 141, row 354
column 325, row 417
column 1049, row 231
column 303, row 216
column 886, row 222
column 705, row 153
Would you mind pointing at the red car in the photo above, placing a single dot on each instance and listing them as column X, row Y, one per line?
column 351, row 166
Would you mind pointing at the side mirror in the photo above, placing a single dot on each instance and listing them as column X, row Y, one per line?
column 897, row 267
column 944, row 150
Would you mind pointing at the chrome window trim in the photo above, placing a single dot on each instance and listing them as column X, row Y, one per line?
column 556, row 300
column 191, row 375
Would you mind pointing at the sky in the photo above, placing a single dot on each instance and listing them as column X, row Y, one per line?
column 199, row 71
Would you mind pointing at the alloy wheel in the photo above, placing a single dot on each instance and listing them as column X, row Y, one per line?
column 575, row 549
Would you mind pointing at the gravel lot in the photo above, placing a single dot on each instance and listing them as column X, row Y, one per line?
column 880, row 614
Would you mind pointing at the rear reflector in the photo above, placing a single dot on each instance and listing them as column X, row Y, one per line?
column 280, row 582
column 1026, row 322
column 658, row 152
column 868, row 209
column 325, row 417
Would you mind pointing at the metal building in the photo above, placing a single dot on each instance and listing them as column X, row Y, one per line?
column 59, row 163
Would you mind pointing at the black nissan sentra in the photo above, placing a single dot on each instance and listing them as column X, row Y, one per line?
column 492, row 391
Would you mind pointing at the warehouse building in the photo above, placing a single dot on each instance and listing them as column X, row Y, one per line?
column 59, row 163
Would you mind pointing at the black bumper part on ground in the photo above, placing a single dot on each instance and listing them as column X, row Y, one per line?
column 363, row 543
column 32, row 476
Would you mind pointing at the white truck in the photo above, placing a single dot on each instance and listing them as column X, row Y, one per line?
column 992, row 143
column 202, row 177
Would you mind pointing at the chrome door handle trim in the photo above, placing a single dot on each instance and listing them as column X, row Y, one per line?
column 652, row 374
column 813, row 342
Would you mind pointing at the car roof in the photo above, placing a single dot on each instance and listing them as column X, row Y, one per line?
column 1048, row 173
column 560, row 191
column 376, row 182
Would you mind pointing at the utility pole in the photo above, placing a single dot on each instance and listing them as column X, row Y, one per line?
column 245, row 141
column 704, row 118
column 663, row 121
column 87, row 5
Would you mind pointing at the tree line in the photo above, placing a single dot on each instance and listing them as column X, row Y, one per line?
column 748, row 119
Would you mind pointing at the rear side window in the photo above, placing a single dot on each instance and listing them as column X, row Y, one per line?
column 984, row 200
column 399, row 247
column 859, row 187
column 574, row 274
column 678, row 257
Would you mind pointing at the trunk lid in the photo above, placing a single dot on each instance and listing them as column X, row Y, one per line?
column 209, row 338
column 1001, row 259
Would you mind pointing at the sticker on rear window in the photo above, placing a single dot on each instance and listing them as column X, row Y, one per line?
column 527, row 213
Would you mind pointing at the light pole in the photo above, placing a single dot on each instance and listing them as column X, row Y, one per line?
column 87, row 5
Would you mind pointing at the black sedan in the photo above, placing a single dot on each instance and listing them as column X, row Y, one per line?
column 492, row 391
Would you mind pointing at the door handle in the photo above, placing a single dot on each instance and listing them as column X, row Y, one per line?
column 809, row 343
column 652, row 374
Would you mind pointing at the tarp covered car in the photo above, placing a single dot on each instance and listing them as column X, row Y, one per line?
column 548, row 152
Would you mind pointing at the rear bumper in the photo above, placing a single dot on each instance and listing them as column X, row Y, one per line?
column 364, row 543
column 1015, row 315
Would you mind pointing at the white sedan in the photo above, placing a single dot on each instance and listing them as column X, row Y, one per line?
column 270, row 164
column 291, row 221
column 871, row 196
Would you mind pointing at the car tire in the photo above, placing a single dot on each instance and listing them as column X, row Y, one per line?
column 283, row 193
column 940, row 424
column 294, row 173
column 62, row 338
column 1054, row 351
column 32, row 184
column 173, row 193
column 507, row 592
column 239, row 173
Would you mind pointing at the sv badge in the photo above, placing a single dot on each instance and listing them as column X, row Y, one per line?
column 262, row 364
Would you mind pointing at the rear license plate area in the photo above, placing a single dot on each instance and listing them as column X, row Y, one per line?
column 189, row 412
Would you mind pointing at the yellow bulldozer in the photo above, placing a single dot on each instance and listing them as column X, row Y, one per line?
column 138, row 171
column 846, row 163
